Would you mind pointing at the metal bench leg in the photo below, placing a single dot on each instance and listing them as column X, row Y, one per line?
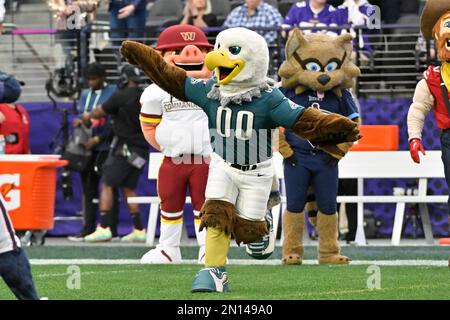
column 276, row 218
column 398, row 224
column 151, row 226
column 360, row 237
column 424, row 214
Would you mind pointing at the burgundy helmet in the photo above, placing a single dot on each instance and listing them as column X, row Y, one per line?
column 181, row 35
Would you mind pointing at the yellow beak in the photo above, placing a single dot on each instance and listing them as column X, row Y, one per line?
column 226, row 69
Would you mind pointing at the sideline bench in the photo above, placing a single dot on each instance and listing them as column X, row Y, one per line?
column 358, row 165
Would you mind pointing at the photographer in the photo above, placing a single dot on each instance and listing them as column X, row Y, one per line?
column 14, row 119
column 127, row 157
column 97, row 93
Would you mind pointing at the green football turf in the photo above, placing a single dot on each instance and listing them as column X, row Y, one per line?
column 136, row 252
column 247, row 282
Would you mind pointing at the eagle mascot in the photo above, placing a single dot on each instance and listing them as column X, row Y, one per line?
column 243, row 107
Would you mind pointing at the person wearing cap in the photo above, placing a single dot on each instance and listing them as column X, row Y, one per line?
column 14, row 119
column 128, row 155
column 432, row 92
column 180, row 131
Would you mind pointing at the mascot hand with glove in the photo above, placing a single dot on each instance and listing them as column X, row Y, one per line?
column 317, row 71
column 242, row 107
column 178, row 129
column 432, row 92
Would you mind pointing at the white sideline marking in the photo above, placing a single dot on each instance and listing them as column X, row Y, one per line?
column 44, row 262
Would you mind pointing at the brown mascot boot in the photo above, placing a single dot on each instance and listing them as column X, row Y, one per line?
column 328, row 249
column 293, row 224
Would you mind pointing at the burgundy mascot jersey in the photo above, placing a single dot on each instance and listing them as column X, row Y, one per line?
column 433, row 78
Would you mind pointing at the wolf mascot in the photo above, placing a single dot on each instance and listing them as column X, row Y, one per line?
column 316, row 73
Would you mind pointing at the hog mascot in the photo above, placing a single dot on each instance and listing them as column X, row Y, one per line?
column 179, row 129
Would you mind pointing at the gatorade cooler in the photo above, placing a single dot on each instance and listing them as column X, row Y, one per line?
column 28, row 183
column 377, row 138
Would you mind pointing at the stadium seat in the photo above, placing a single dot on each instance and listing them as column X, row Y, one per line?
column 236, row 3
column 221, row 8
column 273, row 3
column 284, row 7
column 165, row 13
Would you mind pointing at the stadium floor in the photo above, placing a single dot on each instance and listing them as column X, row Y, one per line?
column 114, row 272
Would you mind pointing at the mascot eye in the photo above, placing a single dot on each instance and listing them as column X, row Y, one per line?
column 447, row 24
column 312, row 66
column 331, row 66
column 176, row 52
column 234, row 50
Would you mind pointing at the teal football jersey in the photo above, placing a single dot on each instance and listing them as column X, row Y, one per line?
column 242, row 133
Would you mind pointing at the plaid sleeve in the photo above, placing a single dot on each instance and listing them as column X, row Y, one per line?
column 232, row 18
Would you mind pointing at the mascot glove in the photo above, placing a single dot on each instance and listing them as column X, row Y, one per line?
column 415, row 145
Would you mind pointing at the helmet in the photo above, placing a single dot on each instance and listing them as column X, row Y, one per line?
column 182, row 35
column 10, row 89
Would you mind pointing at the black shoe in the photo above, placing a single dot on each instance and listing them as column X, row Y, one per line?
column 79, row 237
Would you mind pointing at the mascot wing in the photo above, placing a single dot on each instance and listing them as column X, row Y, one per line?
column 167, row 77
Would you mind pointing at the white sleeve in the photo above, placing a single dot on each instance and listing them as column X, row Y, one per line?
column 151, row 100
column 423, row 103
column 2, row 10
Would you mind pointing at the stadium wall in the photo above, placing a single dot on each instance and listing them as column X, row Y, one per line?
column 45, row 123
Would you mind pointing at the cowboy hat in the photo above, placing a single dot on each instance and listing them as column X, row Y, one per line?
column 431, row 13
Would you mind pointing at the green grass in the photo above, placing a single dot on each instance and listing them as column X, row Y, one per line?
column 247, row 282
column 135, row 252
column 277, row 282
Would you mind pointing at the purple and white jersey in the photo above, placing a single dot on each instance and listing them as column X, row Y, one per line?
column 301, row 15
column 356, row 15
column 8, row 239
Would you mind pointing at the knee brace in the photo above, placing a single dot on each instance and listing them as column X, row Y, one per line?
column 218, row 214
column 247, row 231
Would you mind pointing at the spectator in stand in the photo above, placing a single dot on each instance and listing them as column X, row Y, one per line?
column 14, row 119
column 127, row 14
column 73, row 17
column 98, row 92
column 311, row 14
column 2, row 15
column 127, row 158
column 63, row 9
column 390, row 10
column 199, row 13
column 357, row 13
column 254, row 14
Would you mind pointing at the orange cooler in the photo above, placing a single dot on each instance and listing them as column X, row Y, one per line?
column 28, row 183
column 377, row 138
